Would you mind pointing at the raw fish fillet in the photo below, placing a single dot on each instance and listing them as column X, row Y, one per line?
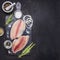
column 17, row 29
column 20, row 43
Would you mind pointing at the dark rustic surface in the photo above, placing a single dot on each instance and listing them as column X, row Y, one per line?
column 45, row 33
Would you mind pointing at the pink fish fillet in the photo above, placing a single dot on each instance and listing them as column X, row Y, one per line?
column 20, row 43
column 17, row 29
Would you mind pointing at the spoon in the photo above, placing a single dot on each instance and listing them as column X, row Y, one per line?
column 7, row 8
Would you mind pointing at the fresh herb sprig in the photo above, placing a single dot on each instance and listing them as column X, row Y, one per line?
column 27, row 50
column 9, row 20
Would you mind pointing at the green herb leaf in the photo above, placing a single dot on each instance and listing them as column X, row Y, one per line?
column 27, row 50
column 9, row 19
column 27, row 47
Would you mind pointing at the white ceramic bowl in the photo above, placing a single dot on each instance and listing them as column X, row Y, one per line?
column 7, row 46
column 7, row 11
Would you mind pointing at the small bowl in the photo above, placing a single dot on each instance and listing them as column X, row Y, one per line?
column 6, row 4
column 1, row 31
column 7, row 44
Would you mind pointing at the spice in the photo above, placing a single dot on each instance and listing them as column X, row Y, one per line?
column 7, row 44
